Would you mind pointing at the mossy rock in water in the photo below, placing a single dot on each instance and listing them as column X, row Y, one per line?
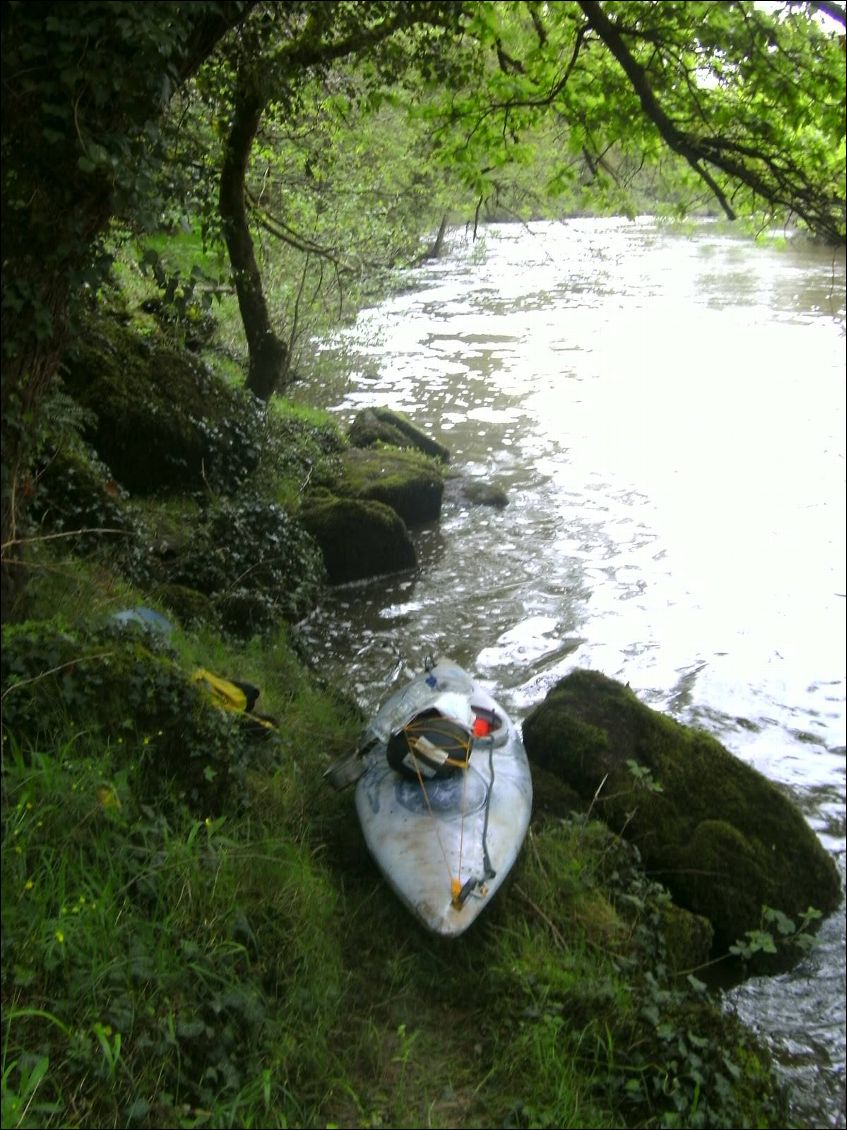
column 358, row 539
column 163, row 420
column 724, row 840
column 485, row 494
column 384, row 426
column 411, row 484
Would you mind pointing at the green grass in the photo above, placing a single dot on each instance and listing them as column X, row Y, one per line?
column 250, row 968
column 158, row 947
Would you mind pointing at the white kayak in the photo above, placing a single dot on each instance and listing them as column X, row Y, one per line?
column 445, row 798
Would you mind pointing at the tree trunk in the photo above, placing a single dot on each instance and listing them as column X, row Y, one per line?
column 436, row 248
column 53, row 207
column 268, row 355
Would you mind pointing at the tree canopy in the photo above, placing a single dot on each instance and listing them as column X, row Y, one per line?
column 258, row 117
column 749, row 96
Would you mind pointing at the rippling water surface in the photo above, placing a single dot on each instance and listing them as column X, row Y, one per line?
column 665, row 411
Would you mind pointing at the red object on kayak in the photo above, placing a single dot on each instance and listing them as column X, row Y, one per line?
column 481, row 727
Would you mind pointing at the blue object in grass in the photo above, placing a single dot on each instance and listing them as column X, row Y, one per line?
column 146, row 616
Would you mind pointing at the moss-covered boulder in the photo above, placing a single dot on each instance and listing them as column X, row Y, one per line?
column 375, row 426
column 358, row 538
column 723, row 839
column 482, row 493
column 410, row 483
column 256, row 563
column 687, row 938
column 162, row 419
column 74, row 491
column 188, row 605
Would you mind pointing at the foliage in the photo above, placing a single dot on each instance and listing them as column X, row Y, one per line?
column 723, row 837
column 787, row 933
column 302, row 449
column 643, row 776
column 259, row 564
column 121, row 684
column 234, row 551
column 681, row 1072
column 590, row 993
column 185, row 302
column 85, row 88
column 157, row 415
column 173, row 958
column 193, row 935
column 75, row 499
column 195, row 981
column 750, row 103
column 717, row 102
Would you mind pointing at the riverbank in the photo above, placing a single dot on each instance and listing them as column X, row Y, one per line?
column 215, row 948
column 193, row 932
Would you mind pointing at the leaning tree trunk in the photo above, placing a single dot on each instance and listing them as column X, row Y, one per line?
column 268, row 356
column 437, row 249
column 55, row 206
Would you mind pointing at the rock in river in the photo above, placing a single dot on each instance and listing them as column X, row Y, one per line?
column 724, row 840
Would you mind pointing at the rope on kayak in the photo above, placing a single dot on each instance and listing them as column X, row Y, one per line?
column 462, row 893
column 429, row 809
column 436, row 744
column 456, row 884
column 418, row 734
column 486, row 860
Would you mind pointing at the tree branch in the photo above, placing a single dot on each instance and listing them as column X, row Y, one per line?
column 603, row 26
column 280, row 230
column 834, row 11
column 793, row 192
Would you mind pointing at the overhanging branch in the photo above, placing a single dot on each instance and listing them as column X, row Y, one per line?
column 786, row 187
column 282, row 231
column 673, row 137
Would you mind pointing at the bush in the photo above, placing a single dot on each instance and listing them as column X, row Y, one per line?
column 158, row 416
column 257, row 562
column 123, row 685
column 77, row 497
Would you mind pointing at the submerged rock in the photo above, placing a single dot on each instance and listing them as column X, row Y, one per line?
column 724, row 840
column 485, row 494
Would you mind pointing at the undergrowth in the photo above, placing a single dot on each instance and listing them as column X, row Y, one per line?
column 227, row 956
column 172, row 961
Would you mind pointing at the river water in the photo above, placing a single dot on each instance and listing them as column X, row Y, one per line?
column 665, row 409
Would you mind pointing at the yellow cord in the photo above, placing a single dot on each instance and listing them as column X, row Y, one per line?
column 455, row 883
column 431, row 813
